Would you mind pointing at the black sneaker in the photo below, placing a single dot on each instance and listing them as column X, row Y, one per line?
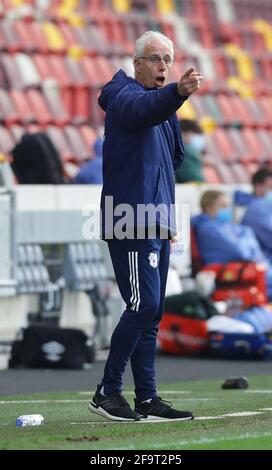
column 161, row 410
column 114, row 407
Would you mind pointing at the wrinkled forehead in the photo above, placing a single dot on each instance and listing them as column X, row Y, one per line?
column 157, row 46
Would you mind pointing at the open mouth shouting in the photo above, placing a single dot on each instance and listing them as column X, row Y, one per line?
column 160, row 81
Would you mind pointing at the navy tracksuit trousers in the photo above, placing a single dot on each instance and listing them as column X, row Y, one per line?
column 141, row 268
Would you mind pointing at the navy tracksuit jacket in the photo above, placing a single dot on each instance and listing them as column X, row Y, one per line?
column 142, row 149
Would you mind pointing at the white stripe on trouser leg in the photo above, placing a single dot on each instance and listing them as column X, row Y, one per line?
column 134, row 280
column 131, row 279
column 137, row 282
column 133, row 265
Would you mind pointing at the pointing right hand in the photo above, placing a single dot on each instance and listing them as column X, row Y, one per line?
column 189, row 82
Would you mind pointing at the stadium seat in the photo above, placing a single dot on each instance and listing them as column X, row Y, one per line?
column 17, row 132
column 210, row 174
column 11, row 73
column 23, row 106
column 6, row 141
column 54, row 63
column 8, row 111
column 241, row 174
column 39, row 37
column 25, row 38
column 244, row 153
column 225, row 173
column 10, row 42
column 55, row 39
column 254, row 144
column 224, row 104
column 60, row 141
column 77, row 144
column 89, row 137
column 223, row 143
column 40, row 108
column 53, row 99
column 265, row 138
column 68, row 34
column 27, row 70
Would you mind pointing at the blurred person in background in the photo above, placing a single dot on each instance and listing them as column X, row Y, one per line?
column 258, row 214
column 91, row 172
column 36, row 160
column 142, row 149
column 194, row 147
column 220, row 240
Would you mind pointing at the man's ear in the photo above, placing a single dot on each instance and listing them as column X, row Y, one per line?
column 137, row 65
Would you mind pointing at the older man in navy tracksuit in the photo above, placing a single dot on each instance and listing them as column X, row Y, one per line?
column 142, row 149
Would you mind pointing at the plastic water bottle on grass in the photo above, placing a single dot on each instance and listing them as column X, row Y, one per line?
column 30, row 420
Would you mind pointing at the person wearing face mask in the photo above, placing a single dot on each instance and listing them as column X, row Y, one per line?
column 258, row 215
column 194, row 146
column 220, row 240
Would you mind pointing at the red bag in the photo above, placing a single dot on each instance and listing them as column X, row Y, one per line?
column 182, row 336
column 241, row 280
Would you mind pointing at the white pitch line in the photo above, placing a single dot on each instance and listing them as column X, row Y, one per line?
column 130, row 392
column 15, row 402
column 258, row 391
column 242, row 413
column 203, row 440
column 194, row 399
column 230, row 415
column 198, row 418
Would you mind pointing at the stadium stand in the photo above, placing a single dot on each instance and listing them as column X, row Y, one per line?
column 56, row 55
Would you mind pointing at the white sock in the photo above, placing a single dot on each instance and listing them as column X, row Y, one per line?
column 102, row 391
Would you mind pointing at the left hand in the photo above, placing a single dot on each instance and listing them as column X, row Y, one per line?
column 173, row 240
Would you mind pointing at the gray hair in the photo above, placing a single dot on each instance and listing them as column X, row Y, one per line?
column 147, row 37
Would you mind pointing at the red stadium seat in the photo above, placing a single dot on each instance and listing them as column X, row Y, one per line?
column 240, row 173
column 10, row 41
column 6, row 141
column 224, row 104
column 41, row 110
column 23, row 106
column 61, row 143
column 24, row 33
column 244, row 153
column 225, row 173
column 266, row 108
column 17, row 132
column 8, row 109
column 89, row 136
column 60, row 72
column 77, row 144
column 254, row 144
column 265, row 137
column 68, row 34
column 210, row 174
column 57, row 109
column 38, row 37
column 227, row 150
column 11, row 72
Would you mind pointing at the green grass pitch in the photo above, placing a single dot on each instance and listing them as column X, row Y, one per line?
column 70, row 426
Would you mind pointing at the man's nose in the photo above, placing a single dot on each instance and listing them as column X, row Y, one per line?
column 162, row 65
